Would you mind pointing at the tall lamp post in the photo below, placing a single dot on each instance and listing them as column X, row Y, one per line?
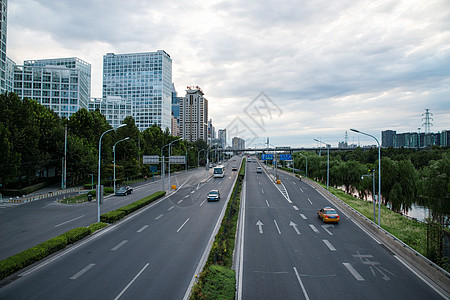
column 198, row 157
column 328, row 161
column 114, row 151
column 306, row 173
column 379, row 171
column 373, row 193
column 99, row 162
column 170, row 144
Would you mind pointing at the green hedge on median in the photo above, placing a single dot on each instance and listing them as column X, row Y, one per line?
column 119, row 213
column 27, row 257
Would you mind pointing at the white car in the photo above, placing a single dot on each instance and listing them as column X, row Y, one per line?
column 258, row 170
column 213, row 195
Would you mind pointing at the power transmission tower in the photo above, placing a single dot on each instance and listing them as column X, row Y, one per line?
column 427, row 118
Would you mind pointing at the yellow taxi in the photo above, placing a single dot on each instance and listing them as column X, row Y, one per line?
column 328, row 214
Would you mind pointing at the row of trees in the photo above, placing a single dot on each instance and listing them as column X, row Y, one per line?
column 32, row 141
column 407, row 176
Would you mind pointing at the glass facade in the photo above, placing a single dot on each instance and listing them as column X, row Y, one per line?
column 63, row 84
column 146, row 80
column 3, row 23
column 115, row 109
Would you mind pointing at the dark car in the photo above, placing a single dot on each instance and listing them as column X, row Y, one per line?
column 124, row 190
column 213, row 195
column 233, row 168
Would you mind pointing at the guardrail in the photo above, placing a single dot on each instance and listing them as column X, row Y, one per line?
column 42, row 196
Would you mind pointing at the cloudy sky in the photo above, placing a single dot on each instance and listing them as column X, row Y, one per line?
column 292, row 71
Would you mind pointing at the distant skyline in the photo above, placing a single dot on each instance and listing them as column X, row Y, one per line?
column 292, row 71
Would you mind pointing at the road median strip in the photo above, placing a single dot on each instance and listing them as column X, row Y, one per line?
column 34, row 254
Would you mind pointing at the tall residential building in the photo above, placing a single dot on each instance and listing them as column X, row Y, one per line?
column 387, row 138
column 222, row 135
column 211, row 132
column 237, row 143
column 194, row 115
column 3, row 27
column 175, row 112
column 61, row 84
column 115, row 109
column 145, row 79
column 445, row 138
column 9, row 75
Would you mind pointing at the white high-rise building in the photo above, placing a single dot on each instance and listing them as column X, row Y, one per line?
column 146, row 80
column 3, row 27
column 194, row 115
column 60, row 84
column 115, row 109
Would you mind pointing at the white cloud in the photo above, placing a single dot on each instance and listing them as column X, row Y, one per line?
column 329, row 65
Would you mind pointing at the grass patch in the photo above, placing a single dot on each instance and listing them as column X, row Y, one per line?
column 97, row 226
column 412, row 233
column 219, row 283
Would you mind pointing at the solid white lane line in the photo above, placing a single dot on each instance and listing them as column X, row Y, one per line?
column 353, row 271
column 119, row 245
column 183, row 225
column 314, row 228
column 180, row 201
column 301, row 190
column 69, row 221
column 170, row 208
column 131, row 282
column 142, row 228
column 295, row 207
column 303, row 216
column 331, row 247
column 278, row 228
column 84, row 270
column 202, row 202
column 267, row 203
column 310, row 201
column 159, row 217
column 301, row 284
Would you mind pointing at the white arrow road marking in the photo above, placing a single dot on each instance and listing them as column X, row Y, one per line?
column 260, row 225
column 84, row 270
column 303, row 216
column 142, row 228
column 353, row 271
column 331, row 247
column 119, row 245
column 325, row 227
column 314, row 228
column 278, row 228
column 295, row 227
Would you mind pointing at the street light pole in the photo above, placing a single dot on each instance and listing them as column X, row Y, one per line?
column 114, row 152
column 99, row 162
column 328, row 161
column 170, row 144
column 306, row 173
column 373, row 194
column 379, row 172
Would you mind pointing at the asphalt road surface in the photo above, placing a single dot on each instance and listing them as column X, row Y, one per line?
column 288, row 253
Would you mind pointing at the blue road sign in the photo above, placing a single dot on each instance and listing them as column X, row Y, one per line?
column 285, row 156
column 267, row 156
column 153, row 169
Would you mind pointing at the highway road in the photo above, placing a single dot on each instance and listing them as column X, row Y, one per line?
column 26, row 225
column 288, row 253
column 152, row 254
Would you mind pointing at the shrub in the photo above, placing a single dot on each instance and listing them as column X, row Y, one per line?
column 76, row 234
column 97, row 226
column 112, row 216
column 25, row 258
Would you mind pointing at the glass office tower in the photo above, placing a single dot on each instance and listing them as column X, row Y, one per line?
column 3, row 23
column 146, row 80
